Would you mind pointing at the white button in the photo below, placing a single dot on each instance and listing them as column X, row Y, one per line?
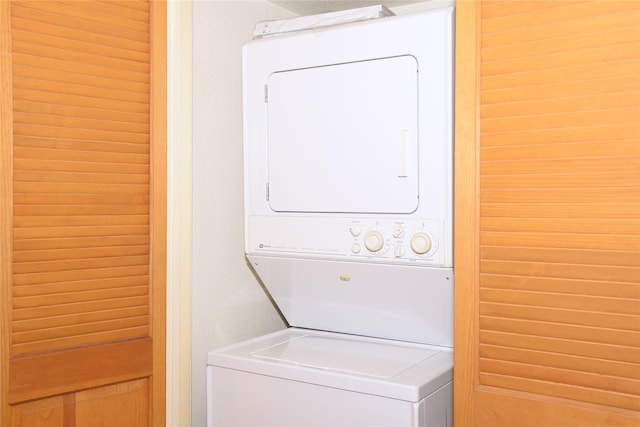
column 374, row 241
column 421, row 243
column 398, row 232
column 354, row 230
column 398, row 251
column 355, row 248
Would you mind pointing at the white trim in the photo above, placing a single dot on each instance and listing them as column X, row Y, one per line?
column 179, row 207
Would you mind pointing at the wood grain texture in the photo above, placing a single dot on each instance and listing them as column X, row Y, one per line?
column 548, row 297
column 82, row 155
column 124, row 404
column 466, row 193
column 159, row 210
column 6, row 206
column 71, row 370
column 40, row 413
column 83, row 117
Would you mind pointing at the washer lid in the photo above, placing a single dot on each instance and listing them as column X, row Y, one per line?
column 370, row 358
column 386, row 368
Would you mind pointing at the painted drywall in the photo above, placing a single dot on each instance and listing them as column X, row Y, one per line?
column 228, row 302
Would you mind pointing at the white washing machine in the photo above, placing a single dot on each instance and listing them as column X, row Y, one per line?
column 348, row 223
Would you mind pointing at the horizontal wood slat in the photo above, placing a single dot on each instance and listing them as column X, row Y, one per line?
column 85, row 156
column 563, row 316
column 74, row 297
column 78, row 329
column 591, row 380
column 80, row 243
column 556, row 388
column 561, row 346
column 58, row 109
column 578, row 225
column 81, row 180
column 50, row 13
column 54, row 30
column 561, row 285
column 611, row 195
column 609, row 37
column 41, row 192
column 561, row 210
column 599, row 334
column 578, row 241
column 83, row 286
column 71, row 341
column 67, row 85
column 574, row 150
column 77, row 275
column 102, row 71
column 604, row 134
column 105, row 123
column 563, row 256
column 558, row 300
column 78, row 308
column 54, row 176
column 560, row 180
column 38, row 130
column 57, row 373
column 606, row 273
column 81, row 46
column 559, row 228
column 555, row 360
column 76, row 264
column 97, row 316
column 81, row 166
column 77, row 210
column 50, row 221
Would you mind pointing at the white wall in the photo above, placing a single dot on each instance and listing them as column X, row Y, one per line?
column 228, row 303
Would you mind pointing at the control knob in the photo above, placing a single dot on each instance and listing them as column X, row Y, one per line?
column 421, row 243
column 374, row 241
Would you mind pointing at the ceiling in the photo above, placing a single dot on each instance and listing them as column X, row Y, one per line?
column 310, row 7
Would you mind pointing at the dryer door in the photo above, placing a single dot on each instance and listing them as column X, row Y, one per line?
column 340, row 142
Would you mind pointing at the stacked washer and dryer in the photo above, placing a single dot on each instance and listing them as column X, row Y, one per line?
column 348, row 138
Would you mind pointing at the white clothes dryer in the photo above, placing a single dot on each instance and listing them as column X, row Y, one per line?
column 348, row 144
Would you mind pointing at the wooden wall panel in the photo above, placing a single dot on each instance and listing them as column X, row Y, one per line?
column 82, row 199
column 548, row 287
column 40, row 413
column 77, row 252
column 124, row 404
column 611, row 89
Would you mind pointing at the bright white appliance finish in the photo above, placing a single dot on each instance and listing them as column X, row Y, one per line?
column 351, row 123
column 348, row 222
column 342, row 129
column 409, row 303
column 308, row 378
column 348, row 162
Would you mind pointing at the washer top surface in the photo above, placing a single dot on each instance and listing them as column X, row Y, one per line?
column 387, row 368
column 337, row 354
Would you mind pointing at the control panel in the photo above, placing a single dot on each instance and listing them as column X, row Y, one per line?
column 389, row 240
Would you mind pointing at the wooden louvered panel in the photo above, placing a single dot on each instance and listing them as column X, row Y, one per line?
column 81, row 189
column 559, row 234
